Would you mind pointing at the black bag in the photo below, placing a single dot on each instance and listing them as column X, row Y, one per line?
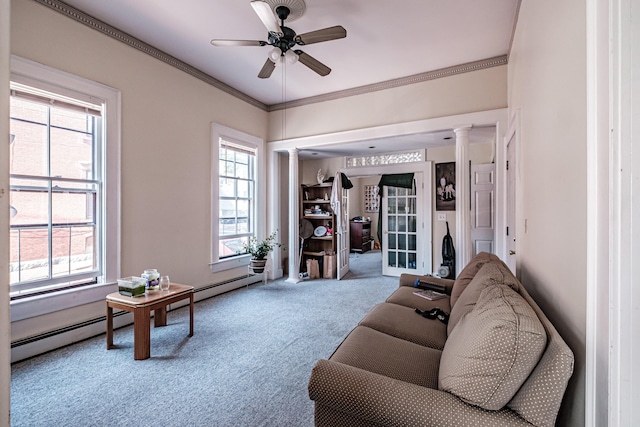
column 448, row 256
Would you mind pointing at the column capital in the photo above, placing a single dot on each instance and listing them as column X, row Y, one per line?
column 293, row 150
column 462, row 130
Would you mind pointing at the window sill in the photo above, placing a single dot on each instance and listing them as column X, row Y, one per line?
column 230, row 263
column 56, row 301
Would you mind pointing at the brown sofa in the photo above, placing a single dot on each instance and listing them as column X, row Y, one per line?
column 498, row 361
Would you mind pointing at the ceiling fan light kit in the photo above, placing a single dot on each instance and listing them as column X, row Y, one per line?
column 291, row 57
column 274, row 54
column 283, row 39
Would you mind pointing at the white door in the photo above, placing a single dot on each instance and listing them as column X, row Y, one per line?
column 403, row 229
column 511, row 203
column 343, row 238
column 483, row 216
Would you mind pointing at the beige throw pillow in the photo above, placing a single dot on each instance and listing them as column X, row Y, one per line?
column 493, row 349
column 467, row 274
column 491, row 273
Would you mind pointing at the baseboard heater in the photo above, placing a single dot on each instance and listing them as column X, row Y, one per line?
column 199, row 296
column 228, row 281
column 49, row 334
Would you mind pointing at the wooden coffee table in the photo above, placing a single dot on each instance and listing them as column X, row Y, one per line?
column 141, row 308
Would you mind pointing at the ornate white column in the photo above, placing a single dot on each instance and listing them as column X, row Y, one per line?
column 463, row 204
column 294, row 220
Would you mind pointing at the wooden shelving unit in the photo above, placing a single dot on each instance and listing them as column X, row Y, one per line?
column 315, row 199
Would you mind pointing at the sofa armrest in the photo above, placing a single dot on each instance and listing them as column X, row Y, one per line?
column 388, row 401
column 409, row 280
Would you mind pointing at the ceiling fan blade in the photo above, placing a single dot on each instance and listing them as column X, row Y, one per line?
column 267, row 69
column 216, row 42
column 264, row 12
column 313, row 63
column 331, row 33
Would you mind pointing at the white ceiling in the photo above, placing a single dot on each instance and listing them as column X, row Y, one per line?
column 385, row 39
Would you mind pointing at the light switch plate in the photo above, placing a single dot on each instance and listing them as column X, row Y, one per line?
column 442, row 217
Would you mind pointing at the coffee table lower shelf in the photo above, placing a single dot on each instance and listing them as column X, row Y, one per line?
column 141, row 308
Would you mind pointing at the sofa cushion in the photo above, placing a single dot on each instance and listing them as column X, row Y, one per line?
column 468, row 273
column 409, row 280
column 404, row 296
column 403, row 322
column 491, row 272
column 493, row 349
column 374, row 351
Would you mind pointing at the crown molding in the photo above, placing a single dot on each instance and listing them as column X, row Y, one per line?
column 128, row 39
column 402, row 81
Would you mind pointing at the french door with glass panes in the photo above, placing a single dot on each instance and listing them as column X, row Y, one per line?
column 403, row 229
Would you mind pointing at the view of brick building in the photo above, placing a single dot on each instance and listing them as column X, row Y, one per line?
column 53, row 205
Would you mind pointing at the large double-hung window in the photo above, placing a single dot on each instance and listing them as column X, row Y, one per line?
column 56, row 191
column 235, row 194
column 65, row 189
column 236, row 198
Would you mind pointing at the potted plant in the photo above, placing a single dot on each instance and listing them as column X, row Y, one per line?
column 260, row 249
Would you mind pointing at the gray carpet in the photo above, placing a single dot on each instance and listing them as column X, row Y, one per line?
column 248, row 363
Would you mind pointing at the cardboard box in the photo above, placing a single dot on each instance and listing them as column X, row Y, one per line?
column 330, row 268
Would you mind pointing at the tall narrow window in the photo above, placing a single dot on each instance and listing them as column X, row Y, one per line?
column 236, row 197
column 56, row 191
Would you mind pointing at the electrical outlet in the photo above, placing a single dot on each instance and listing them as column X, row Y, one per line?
column 442, row 217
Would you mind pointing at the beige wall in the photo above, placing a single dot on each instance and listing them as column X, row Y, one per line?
column 166, row 155
column 547, row 86
column 463, row 93
column 309, row 169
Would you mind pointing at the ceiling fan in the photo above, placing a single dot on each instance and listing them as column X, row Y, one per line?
column 284, row 39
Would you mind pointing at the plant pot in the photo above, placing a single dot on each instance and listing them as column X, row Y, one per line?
column 257, row 265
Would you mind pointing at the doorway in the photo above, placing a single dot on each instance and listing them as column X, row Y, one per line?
column 401, row 234
column 408, row 224
column 420, row 134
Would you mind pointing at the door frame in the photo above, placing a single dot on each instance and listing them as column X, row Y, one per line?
column 613, row 232
column 503, row 202
column 496, row 117
column 423, row 258
column 426, row 168
column 512, row 201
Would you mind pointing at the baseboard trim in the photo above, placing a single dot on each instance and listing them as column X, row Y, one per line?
column 35, row 345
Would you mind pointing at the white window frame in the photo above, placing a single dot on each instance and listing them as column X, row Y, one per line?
column 47, row 184
column 221, row 132
column 52, row 80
